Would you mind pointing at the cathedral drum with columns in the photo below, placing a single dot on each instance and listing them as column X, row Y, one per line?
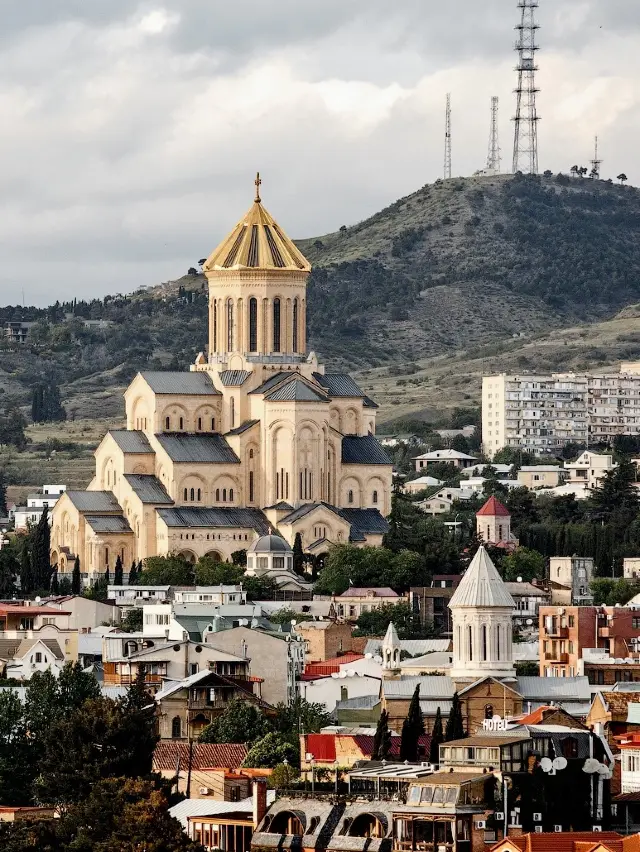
column 256, row 435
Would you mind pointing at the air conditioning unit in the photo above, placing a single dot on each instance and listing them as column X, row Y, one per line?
column 204, row 791
column 538, row 829
column 557, row 828
column 499, row 815
column 597, row 828
column 481, row 824
column 537, row 817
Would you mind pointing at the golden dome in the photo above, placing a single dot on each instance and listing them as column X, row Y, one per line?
column 257, row 242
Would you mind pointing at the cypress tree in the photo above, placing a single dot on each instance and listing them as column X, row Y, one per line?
column 412, row 729
column 76, row 579
column 55, row 587
column 133, row 574
column 455, row 723
column 107, row 577
column 298, row 555
column 40, row 547
column 117, row 572
column 382, row 738
column 4, row 511
column 437, row 737
column 26, row 575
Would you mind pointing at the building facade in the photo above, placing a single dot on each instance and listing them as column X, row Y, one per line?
column 257, row 435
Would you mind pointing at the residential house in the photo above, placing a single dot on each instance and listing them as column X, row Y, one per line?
column 528, row 600
column 458, row 460
column 187, row 706
column 324, row 639
column 17, row 332
column 35, row 655
column 441, row 503
column 222, row 594
column 415, row 486
column 627, row 801
column 84, row 614
column 589, row 469
column 604, row 670
column 343, row 749
column 611, row 710
column 212, row 768
column 29, row 515
column 570, row 577
column 339, row 686
column 431, row 603
column 540, row 476
column 352, row 603
column 33, row 813
column 131, row 597
column 631, row 568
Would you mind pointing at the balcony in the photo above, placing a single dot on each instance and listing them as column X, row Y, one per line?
column 606, row 632
column 205, row 704
column 556, row 657
column 557, row 632
column 117, row 679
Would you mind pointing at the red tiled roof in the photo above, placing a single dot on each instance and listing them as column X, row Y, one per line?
column 570, row 841
column 323, row 746
column 205, row 755
column 10, row 609
column 493, row 508
column 323, row 668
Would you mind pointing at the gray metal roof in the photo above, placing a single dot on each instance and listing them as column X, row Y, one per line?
column 131, row 440
column 554, row 688
column 243, row 427
column 296, row 390
column 97, row 502
column 148, row 488
column 272, row 381
column 338, row 384
column 415, row 647
column 234, row 378
column 205, row 449
column 363, row 450
column 432, row 687
column 228, row 516
column 369, row 403
column 481, row 585
column 361, row 702
column 108, row 523
column 270, row 544
column 185, row 384
column 365, row 521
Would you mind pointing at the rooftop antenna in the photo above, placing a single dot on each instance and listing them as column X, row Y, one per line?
column 525, row 143
column 595, row 164
column 447, row 139
column 493, row 157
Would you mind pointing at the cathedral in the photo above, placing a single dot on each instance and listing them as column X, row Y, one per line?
column 256, row 436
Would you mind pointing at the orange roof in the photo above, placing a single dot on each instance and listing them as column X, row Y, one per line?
column 323, row 668
column 493, row 508
column 11, row 609
column 535, row 718
column 570, row 841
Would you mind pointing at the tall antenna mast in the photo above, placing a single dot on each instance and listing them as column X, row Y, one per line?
column 493, row 157
column 525, row 144
column 447, row 140
column 595, row 164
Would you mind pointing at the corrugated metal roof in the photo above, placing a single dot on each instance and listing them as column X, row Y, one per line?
column 363, row 450
column 365, row 521
column 296, row 390
column 338, row 384
column 94, row 501
column 271, row 382
column 204, row 449
column 194, row 517
column 185, row 384
column 481, row 585
column 208, row 807
column 148, row 488
column 248, row 424
column 131, row 440
column 361, row 702
column 369, row 403
column 108, row 523
column 554, row 688
column 234, row 378
column 431, row 687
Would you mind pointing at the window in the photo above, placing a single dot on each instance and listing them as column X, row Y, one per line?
column 253, row 325
column 176, row 727
column 38, row 657
column 199, row 424
column 181, row 423
column 186, row 493
column 470, row 641
column 570, row 747
column 350, row 497
column 232, row 414
column 374, row 497
column 192, row 494
column 224, row 495
column 231, row 495
column 251, row 486
column 213, row 424
column 276, row 325
column 295, row 325
column 636, row 623
column 215, row 326
column 229, row 325
column 484, row 642
column 488, row 711
column 217, row 495
column 199, row 493
column 572, row 621
column 167, row 423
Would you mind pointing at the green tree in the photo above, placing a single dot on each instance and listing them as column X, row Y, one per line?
column 283, row 776
column 407, row 622
column 132, row 621
column 4, row 511
column 26, row 570
column 241, row 722
column 118, row 572
column 133, row 579
column 300, row 717
column 271, row 750
column 412, row 729
column 298, row 554
column 525, row 563
column 455, row 722
column 9, row 569
column 76, row 578
column 382, row 738
column 40, row 548
column 437, row 738
column 166, row 571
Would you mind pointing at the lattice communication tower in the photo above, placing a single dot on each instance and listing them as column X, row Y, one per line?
column 494, row 157
column 595, row 164
column 525, row 144
column 447, row 139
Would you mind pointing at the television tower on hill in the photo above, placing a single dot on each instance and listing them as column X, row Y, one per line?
column 493, row 157
column 447, row 139
column 525, row 144
column 595, row 164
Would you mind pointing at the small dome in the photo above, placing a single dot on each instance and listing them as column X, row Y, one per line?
column 269, row 544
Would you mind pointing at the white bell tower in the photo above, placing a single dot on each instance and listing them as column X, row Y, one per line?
column 391, row 649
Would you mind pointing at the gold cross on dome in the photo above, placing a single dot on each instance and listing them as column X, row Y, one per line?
column 257, row 183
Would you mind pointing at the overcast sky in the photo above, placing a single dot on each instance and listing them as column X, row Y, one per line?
column 130, row 133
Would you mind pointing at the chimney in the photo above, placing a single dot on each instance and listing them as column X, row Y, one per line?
column 259, row 801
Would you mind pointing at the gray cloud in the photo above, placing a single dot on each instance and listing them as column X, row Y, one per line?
column 131, row 131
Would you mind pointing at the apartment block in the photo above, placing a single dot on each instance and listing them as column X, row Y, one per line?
column 543, row 412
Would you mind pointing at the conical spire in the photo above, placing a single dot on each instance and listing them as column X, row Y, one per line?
column 391, row 639
column 391, row 648
column 481, row 585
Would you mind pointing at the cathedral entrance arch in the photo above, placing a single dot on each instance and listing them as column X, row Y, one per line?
column 214, row 556
column 188, row 556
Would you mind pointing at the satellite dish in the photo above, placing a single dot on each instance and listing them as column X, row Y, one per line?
column 368, row 656
column 519, row 579
column 529, row 622
column 344, row 674
column 351, row 673
column 546, row 765
column 591, row 765
column 560, row 763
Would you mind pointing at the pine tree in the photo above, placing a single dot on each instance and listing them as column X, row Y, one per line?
column 133, row 574
column 76, row 579
column 298, row 555
column 412, row 729
column 54, row 587
column 40, row 547
column 107, row 577
column 382, row 738
column 4, row 511
column 26, row 575
column 117, row 572
column 455, row 723
column 437, row 737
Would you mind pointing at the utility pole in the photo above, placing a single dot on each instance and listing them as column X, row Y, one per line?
column 493, row 157
column 595, row 164
column 447, row 139
column 525, row 143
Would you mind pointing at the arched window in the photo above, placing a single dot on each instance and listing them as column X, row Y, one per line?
column 295, row 325
column 375, row 497
column 106, row 556
column 251, row 486
column 176, row 728
column 231, row 495
column 181, row 424
column 199, row 495
column 488, row 711
column 253, row 325
column 233, row 412
column 488, row 533
column 217, row 495
column 350, row 497
column 213, row 424
column 192, row 494
column 186, row 493
column 167, row 423
column 276, row 325
column 498, row 649
column 484, row 642
column 500, row 532
column 199, row 424
column 470, row 642
column 229, row 325
column 224, row 495
column 214, row 342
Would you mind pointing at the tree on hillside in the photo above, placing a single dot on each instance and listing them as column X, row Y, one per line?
column 525, row 563
column 118, row 572
column 298, row 554
column 40, row 548
column 622, row 178
column 76, row 578
column 412, row 729
column 437, row 737
column 4, row 511
column 241, row 722
column 271, row 750
column 455, row 722
column 9, row 570
column 133, row 574
column 26, row 571
column 166, row 571
column 46, row 406
column 617, row 497
column 382, row 738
